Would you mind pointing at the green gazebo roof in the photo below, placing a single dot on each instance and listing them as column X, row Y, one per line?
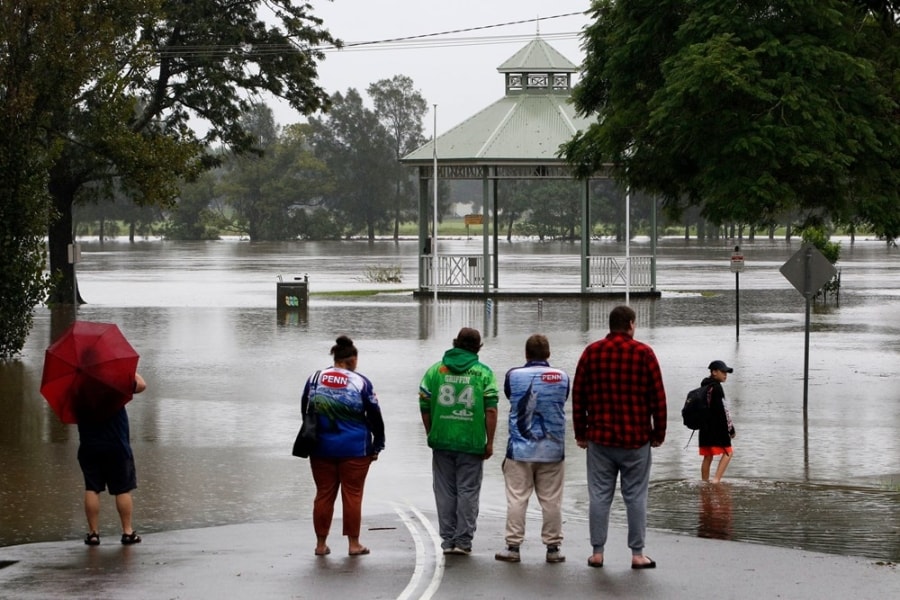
column 527, row 125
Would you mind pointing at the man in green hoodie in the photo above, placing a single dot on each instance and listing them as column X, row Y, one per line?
column 458, row 402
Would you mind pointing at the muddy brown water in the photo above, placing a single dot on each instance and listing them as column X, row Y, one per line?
column 213, row 431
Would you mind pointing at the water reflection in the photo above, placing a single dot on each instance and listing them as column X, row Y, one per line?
column 820, row 517
column 715, row 519
column 212, row 432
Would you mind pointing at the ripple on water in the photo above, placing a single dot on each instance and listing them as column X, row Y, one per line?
column 847, row 520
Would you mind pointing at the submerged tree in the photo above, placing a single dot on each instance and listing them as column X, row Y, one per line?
column 267, row 188
column 751, row 110
column 400, row 109
column 357, row 151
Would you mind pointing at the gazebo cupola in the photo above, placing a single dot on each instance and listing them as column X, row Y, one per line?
column 538, row 69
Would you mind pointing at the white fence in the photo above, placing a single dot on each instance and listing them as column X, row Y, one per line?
column 609, row 271
column 454, row 271
column 466, row 271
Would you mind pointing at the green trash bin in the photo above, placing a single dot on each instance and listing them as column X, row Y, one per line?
column 292, row 292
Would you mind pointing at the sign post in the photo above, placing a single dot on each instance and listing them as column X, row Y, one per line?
column 807, row 270
column 737, row 265
column 74, row 254
column 472, row 219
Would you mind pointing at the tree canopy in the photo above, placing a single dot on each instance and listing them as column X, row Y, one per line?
column 174, row 68
column 100, row 98
column 357, row 150
column 753, row 110
column 43, row 61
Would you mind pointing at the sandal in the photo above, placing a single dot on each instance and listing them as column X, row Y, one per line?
column 130, row 538
column 92, row 539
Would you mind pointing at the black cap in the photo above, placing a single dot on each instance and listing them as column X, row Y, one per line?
column 718, row 365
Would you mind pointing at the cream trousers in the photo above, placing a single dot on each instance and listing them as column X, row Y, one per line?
column 546, row 481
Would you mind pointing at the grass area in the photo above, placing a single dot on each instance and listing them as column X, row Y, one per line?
column 449, row 226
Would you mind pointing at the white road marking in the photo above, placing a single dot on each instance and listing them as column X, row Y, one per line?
column 422, row 561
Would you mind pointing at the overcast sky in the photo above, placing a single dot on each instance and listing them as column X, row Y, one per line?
column 456, row 71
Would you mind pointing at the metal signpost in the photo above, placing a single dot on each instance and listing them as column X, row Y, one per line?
column 807, row 270
column 74, row 252
column 737, row 265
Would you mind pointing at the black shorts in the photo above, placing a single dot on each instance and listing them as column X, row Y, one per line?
column 107, row 467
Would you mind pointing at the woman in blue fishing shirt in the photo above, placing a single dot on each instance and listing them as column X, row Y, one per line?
column 350, row 435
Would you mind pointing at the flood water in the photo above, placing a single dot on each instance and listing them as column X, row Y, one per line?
column 212, row 433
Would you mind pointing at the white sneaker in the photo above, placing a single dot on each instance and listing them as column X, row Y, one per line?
column 554, row 555
column 511, row 554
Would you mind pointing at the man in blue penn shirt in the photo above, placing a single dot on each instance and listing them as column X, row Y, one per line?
column 535, row 453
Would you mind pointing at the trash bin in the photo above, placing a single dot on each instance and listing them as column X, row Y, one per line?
column 292, row 292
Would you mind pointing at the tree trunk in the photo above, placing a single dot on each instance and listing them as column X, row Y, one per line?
column 59, row 236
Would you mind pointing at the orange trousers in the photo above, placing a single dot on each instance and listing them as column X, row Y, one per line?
column 348, row 475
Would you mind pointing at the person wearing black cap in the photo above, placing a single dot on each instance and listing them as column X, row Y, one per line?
column 716, row 434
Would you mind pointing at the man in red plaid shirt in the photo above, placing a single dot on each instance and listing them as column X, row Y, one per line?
column 619, row 413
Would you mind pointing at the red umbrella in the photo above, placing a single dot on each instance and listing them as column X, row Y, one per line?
column 89, row 372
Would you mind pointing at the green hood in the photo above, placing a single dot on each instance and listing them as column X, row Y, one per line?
column 459, row 360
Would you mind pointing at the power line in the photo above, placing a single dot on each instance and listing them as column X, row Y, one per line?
column 426, row 40
column 452, row 31
column 412, row 44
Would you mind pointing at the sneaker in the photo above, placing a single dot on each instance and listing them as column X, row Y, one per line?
column 511, row 554
column 554, row 555
column 459, row 551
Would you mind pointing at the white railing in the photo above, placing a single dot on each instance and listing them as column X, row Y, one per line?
column 609, row 271
column 454, row 271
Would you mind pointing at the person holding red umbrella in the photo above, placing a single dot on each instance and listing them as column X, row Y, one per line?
column 107, row 462
column 90, row 373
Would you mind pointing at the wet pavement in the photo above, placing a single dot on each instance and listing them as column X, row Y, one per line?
column 275, row 560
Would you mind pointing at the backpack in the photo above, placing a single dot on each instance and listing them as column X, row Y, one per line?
column 695, row 412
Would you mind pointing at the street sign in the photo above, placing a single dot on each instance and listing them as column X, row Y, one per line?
column 473, row 220
column 737, row 262
column 808, row 270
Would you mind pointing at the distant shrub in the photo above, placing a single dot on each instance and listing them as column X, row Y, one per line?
column 379, row 274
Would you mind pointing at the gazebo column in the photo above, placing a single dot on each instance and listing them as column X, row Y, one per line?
column 424, row 241
column 495, row 187
column 485, row 227
column 586, row 237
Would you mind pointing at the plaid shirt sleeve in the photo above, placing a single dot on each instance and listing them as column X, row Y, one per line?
column 618, row 398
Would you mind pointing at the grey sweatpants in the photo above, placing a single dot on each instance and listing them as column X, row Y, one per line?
column 605, row 465
column 456, row 478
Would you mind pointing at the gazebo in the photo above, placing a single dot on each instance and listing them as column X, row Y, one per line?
column 516, row 137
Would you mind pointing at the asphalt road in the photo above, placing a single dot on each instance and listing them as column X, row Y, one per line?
column 275, row 560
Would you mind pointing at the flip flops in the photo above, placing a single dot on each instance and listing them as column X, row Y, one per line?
column 359, row 552
column 648, row 565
